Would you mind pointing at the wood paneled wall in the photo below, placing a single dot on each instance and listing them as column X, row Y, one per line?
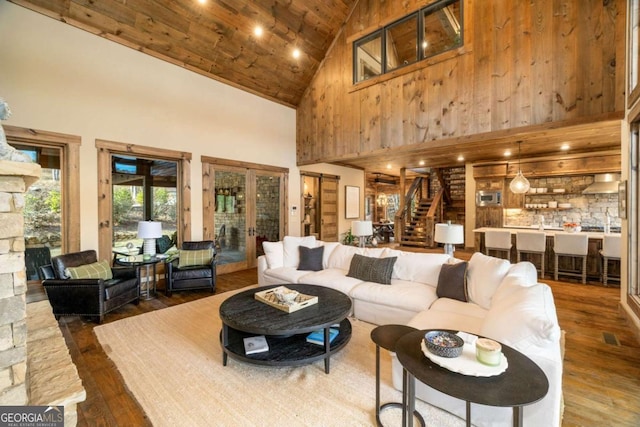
column 522, row 64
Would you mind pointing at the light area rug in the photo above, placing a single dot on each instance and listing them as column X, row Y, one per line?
column 171, row 361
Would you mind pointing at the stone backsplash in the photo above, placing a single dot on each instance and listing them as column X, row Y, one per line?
column 589, row 210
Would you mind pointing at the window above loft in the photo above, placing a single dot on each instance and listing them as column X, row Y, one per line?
column 428, row 32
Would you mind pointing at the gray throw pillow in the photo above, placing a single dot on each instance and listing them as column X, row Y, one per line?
column 372, row 269
column 452, row 281
column 310, row 258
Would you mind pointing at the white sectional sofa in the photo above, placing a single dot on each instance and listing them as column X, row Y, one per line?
column 503, row 301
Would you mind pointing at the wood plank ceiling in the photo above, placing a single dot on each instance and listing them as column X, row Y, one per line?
column 216, row 38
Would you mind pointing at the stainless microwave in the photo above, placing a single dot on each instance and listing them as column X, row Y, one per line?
column 488, row 198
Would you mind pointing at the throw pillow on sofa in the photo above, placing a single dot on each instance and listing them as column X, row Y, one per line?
column 452, row 281
column 369, row 269
column 484, row 275
column 291, row 251
column 311, row 258
column 96, row 270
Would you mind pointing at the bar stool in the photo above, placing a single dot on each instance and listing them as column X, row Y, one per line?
column 611, row 251
column 573, row 245
column 386, row 336
column 532, row 242
column 498, row 241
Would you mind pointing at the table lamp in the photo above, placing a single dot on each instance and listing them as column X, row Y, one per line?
column 149, row 231
column 449, row 234
column 362, row 229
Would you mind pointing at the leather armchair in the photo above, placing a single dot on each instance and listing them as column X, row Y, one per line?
column 191, row 277
column 89, row 297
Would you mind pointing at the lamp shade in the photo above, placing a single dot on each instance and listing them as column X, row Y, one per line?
column 449, row 233
column 149, row 230
column 362, row 228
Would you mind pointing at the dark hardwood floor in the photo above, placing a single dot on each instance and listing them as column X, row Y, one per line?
column 601, row 370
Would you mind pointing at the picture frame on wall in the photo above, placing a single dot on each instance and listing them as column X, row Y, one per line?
column 352, row 201
column 622, row 199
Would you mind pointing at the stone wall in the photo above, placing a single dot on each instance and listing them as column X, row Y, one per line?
column 15, row 179
column 586, row 209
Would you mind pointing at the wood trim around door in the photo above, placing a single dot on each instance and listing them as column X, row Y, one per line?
column 70, row 168
column 105, row 196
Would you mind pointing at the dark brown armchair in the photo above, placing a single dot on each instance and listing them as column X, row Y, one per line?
column 89, row 297
column 179, row 277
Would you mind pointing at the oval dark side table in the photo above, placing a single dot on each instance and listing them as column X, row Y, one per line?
column 243, row 316
column 521, row 384
column 386, row 336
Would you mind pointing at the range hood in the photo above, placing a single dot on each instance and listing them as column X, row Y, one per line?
column 605, row 183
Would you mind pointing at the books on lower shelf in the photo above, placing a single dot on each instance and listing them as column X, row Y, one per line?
column 317, row 337
column 256, row 344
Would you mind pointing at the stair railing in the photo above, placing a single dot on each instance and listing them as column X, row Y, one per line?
column 435, row 214
column 403, row 215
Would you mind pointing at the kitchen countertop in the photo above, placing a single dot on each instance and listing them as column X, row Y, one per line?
column 550, row 231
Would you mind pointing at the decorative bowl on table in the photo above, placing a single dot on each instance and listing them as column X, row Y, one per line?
column 443, row 344
column 571, row 227
column 285, row 295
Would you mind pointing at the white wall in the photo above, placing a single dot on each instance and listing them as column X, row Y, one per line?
column 62, row 79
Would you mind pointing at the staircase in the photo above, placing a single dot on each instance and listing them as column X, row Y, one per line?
column 420, row 213
column 415, row 230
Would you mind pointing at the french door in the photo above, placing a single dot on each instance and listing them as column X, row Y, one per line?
column 243, row 206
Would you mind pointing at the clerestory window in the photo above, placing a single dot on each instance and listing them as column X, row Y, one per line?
column 428, row 32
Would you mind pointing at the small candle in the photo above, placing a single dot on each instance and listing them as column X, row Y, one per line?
column 488, row 351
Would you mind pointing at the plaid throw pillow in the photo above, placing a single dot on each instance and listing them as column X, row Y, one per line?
column 97, row 270
column 189, row 258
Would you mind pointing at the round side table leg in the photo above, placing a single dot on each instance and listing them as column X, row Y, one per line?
column 384, row 406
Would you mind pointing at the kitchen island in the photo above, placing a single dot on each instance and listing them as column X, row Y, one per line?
column 594, row 259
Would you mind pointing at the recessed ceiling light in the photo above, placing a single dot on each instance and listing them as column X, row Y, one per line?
column 296, row 53
column 389, row 166
column 564, row 147
column 258, row 31
column 202, row 1
column 421, row 163
column 507, row 153
column 460, row 158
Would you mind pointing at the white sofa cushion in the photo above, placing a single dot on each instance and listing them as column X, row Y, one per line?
column 522, row 274
column 274, row 252
column 333, row 278
column 419, row 267
column 329, row 247
column 341, row 257
column 287, row 274
column 525, row 320
column 291, row 251
column 446, row 313
column 408, row 295
column 484, row 275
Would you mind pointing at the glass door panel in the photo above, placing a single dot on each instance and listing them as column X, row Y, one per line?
column 230, row 218
column 268, row 202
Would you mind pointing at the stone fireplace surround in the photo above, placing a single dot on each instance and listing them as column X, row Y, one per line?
column 35, row 365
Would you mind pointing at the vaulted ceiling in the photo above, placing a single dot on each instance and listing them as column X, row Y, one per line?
column 216, row 38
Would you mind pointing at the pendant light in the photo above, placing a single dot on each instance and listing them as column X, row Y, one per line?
column 519, row 184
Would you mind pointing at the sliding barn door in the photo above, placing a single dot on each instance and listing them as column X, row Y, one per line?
column 329, row 208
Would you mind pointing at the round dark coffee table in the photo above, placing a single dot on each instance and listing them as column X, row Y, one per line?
column 521, row 384
column 243, row 316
